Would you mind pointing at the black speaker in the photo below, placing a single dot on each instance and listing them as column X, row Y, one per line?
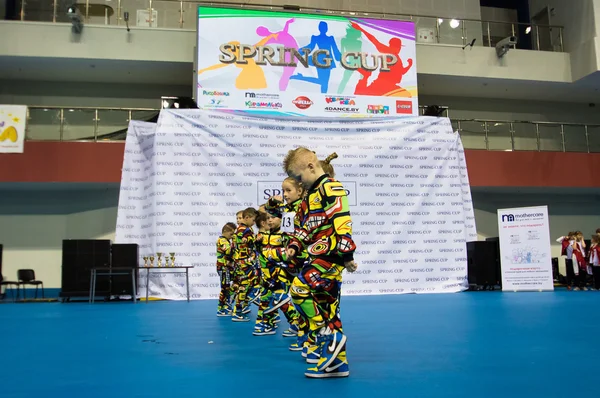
column 555, row 272
column 79, row 256
column 124, row 255
column 483, row 263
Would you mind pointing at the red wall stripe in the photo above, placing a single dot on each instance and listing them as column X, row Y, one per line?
column 48, row 161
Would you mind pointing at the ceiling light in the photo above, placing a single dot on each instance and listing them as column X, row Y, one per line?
column 454, row 24
column 528, row 30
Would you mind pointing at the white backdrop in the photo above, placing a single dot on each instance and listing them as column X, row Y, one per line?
column 406, row 180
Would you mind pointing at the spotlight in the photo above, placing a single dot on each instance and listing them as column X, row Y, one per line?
column 76, row 19
column 454, row 24
column 178, row 103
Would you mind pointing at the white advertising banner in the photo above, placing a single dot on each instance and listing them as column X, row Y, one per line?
column 525, row 249
column 294, row 63
column 13, row 121
column 405, row 178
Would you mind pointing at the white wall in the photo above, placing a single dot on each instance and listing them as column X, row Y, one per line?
column 34, row 223
column 580, row 27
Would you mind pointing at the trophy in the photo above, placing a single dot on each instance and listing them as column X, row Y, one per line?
column 151, row 261
column 159, row 255
column 172, row 259
column 145, row 261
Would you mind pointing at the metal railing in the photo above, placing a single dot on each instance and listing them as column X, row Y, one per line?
column 110, row 125
column 497, row 135
column 179, row 14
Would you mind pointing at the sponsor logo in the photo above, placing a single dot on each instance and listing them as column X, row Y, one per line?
column 378, row 109
column 261, row 95
column 340, row 100
column 263, row 105
column 216, row 93
column 521, row 217
column 341, row 109
column 302, row 102
column 404, row 107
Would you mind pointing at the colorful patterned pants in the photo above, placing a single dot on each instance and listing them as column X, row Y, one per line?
column 225, row 278
column 243, row 280
column 316, row 295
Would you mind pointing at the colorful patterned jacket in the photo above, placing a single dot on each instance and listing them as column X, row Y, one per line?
column 324, row 226
column 243, row 244
column 223, row 252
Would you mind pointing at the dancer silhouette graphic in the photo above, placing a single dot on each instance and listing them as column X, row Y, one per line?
column 286, row 40
column 323, row 42
column 350, row 43
column 251, row 76
column 386, row 83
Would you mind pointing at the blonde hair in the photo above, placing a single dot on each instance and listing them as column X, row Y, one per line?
column 326, row 164
column 294, row 155
column 295, row 183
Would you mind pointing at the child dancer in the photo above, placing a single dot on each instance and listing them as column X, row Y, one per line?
column 580, row 254
column 243, row 258
column 272, row 240
column 224, row 268
column 292, row 194
column 255, row 287
column 276, row 255
column 595, row 260
column 263, row 232
column 326, row 230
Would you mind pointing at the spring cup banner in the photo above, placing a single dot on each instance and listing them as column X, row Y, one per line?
column 406, row 181
column 305, row 65
column 13, row 119
column 525, row 249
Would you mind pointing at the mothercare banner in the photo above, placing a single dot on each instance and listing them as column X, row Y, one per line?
column 525, row 249
column 305, row 65
column 405, row 178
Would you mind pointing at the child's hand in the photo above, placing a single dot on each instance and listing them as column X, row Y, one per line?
column 351, row 266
